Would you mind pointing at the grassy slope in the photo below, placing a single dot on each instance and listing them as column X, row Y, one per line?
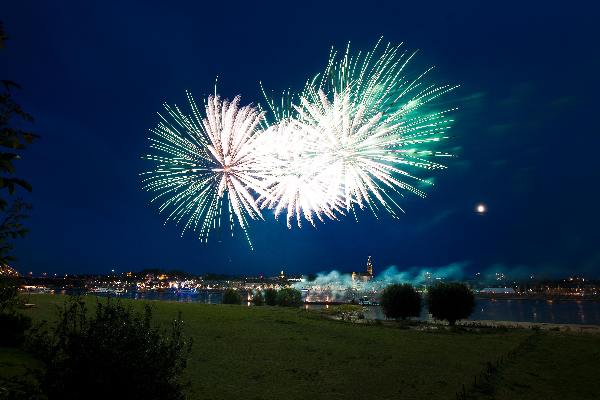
column 264, row 352
column 15, row 362
column 552, row 367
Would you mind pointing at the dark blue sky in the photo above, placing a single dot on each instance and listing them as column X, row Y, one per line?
column 95, row 73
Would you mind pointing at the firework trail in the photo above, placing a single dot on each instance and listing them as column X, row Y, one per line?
column 205, row 160
column 365, row 129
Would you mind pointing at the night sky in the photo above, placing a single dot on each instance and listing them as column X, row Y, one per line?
column 526, row 135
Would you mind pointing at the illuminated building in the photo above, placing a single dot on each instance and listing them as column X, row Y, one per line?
column 5, row 270
column 497, row 290
column 363, row 276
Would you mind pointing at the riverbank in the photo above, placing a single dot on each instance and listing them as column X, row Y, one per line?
column 576, row 328
column 418, row 324
column 273, row 352
column 536, row 297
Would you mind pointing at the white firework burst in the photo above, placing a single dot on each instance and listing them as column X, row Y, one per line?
column 297, row 184
column 203, row 159
column 365, row 130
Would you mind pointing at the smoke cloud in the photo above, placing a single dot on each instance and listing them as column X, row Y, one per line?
column 338, row 281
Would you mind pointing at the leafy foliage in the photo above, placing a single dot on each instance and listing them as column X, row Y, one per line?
column 117, row 352
column 231, row 296
column 9, row 299
column 346, row 312
column 3, row 36
column 13, row 324
column 13, row 139
column 270, row 297
column 11, row 227
column 401, row 301
column 289, row 297
column 20, row 388
column 258, row 299
column 12, row 328
column 450, row 302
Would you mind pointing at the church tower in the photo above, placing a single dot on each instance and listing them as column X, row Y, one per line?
column 369, row 267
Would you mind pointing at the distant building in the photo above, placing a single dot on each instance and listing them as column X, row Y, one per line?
column 497, row 290
column 364, row 276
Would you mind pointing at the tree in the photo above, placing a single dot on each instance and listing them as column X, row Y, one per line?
column 271, row 297
column 11, row 227
column 13, row 140
column 231, row 296
column 258, row 299
column 117, row 352
column 450, row 302
column 401, row 301
column 9, row 296
column 289, row 297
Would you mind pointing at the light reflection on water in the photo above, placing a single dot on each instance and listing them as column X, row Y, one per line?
column 525, row 310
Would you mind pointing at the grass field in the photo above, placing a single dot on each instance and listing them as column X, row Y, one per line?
column 271, row 353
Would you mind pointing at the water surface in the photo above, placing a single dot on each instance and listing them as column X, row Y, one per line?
column 521, row 310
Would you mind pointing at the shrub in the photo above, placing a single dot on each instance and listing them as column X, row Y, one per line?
column 401, row 301
column 289, row 297
column 12, row 328
column 346, row 312
column 271, row 297
column 117, row 352
column 13, row 324
column 231, row 296
column 258, row 298
column 9, row 297
column 20, row 388
column 450, row 302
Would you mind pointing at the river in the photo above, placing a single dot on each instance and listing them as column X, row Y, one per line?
column 520, row 310
column 524, row 310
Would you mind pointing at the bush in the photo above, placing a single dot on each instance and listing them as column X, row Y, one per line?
column 116, row 353
column 12, row 329
column 401, row 301
column 19, row 388
column 346, row 312
column 450, row 302
column 271, row 297
column 258, row 298
column 289, row 297
column 12, row 323
column 9, row 297
column 231, row 296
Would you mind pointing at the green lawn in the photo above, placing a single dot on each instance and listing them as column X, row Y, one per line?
column 270, row 353
column 551, row 367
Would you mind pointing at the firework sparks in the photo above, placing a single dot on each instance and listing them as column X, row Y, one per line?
column 365, row 129
column 356, row 137
column 297, row 183
column 205, row 160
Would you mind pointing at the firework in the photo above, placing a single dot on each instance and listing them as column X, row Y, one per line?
column 358, row 136
column 297, row 184
column 205, row 162
column 364, row 129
